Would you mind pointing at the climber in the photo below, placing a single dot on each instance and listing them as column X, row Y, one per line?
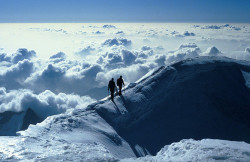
column 111, row 88
column 119, row 83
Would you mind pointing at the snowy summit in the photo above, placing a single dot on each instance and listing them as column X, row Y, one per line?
column 174, row 113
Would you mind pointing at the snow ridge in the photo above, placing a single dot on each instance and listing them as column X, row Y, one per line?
column 194, row 99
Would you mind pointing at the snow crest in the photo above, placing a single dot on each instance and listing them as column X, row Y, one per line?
column 193, row 99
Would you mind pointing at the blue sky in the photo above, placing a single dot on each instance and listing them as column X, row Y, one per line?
column 125, row 11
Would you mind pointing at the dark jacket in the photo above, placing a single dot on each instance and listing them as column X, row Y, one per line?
column 120, row 82
column 111, row 85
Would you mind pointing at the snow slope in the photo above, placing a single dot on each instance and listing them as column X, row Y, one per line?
column 204, row 97
column 204, row 150
column 80, row 126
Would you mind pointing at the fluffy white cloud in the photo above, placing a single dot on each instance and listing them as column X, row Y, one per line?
column 87, row 55
column 185, row 34
column 99, row 32
column 160, row 60
column 227, row 26
column 59, row 55
column 44, row 104
column 76, row 79
column 120, row 32
column 189, row 45
column 122, row 58
column 13, row 77
column 4, row 57
column 146, row 48
column 49, row 30
column 130, row 74
column 62, row 74
column 114, row 58
column 184, row 51
column 128, row 57
column 212, row 51
column 212, row 27
column 108, row 26
column 85, row 51
column 22, row 54
column 117, row 41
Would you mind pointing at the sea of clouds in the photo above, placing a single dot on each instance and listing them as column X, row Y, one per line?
column 55, row 67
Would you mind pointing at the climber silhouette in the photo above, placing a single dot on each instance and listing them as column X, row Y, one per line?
column 111, row 88
column 119, row 83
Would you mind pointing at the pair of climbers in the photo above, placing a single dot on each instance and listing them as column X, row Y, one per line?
column 112, row 86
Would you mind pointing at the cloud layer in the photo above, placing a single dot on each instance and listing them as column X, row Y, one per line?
column 44, row 104
column 82, row 58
